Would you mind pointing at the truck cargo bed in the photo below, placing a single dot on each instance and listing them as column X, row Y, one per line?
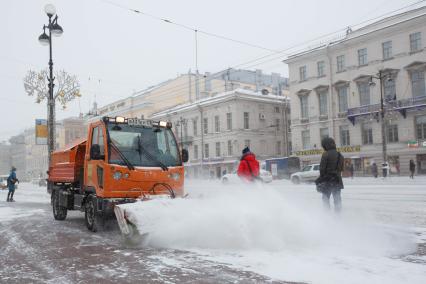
column 67, row 163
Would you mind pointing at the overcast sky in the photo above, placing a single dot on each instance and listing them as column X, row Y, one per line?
column 121, row 51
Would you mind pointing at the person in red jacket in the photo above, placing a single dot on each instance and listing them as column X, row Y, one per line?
column 248, row 168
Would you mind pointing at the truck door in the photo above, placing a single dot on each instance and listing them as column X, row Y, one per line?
column 95, row 159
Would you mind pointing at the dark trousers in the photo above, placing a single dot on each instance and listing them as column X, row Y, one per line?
column 336, row 198
column 10, row 195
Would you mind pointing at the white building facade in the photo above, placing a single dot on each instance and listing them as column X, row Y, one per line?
column 216, row 129
column 334, row 93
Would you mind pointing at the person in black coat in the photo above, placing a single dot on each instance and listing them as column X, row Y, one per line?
column 330, row 181
column 374, row 170
column 412, row 168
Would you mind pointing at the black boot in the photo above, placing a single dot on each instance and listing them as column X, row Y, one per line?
column 11, row 197
column 8, row 197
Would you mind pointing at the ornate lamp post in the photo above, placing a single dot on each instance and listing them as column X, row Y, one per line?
column 381, row 76
column 56, row 30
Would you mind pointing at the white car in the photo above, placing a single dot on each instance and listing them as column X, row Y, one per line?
column 265, row 176
column 3, row 181
column 308, row 174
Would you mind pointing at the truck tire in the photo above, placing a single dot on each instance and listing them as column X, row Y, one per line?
column 93, row 220
column 295, row 180
column 59, row 212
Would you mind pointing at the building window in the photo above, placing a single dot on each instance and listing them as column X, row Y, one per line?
column 392, row 133
column 247, row 143
column 340, row 63
column 344, row 136
column 322, row 97
column 194, row 127
column 229, row 121
column 389, row 90
column 277, row 109
column 205, row 125
column 342, row 93
column 206, row 150
column 246, row 120
column 362, row 57
column 415, row 41
column 278, row 148
column 277, row 124
column 387, row 50
column 302, row 73
column 196, row 152
column 304, row 107
column 421, row 127
column 229, row 148
column 306, row 139
column 364, row 93
column 216, row 124
column 185, row 128
column 367, row 134
column 321, row 68
column 217, row 149
column 418, row 83
column 323, row 133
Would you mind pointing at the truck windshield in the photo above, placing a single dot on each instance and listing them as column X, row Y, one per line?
column 143, row 146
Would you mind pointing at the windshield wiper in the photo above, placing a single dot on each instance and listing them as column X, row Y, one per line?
column 125, row 160
column 141, row 149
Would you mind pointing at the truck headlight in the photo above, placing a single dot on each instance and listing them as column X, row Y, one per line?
column 116, row 175
column 175, row 176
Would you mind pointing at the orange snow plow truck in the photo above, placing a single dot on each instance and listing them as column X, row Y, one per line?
column 121, row 161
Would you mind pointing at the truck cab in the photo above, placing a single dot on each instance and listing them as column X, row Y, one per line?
column 121, row 160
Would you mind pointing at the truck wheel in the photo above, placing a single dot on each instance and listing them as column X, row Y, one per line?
column 91, row 217
column 295, row 180
column 59, row 212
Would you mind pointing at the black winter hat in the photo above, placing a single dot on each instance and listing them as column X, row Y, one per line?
column 246, row 150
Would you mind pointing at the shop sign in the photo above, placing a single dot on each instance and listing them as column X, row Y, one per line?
column 344, row 149
column 413, row 144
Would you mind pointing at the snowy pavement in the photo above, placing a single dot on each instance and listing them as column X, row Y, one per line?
column 227, row 234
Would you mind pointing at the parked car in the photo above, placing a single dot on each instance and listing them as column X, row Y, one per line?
column 265, row 176
column 39, row 181
column 308, row 174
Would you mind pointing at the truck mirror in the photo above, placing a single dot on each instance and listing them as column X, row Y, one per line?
column 185, row 155
column 95, row 152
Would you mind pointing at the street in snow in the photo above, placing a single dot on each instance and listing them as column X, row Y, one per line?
column 227, row 234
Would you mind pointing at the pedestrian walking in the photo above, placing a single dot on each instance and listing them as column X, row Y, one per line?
column 248, row 169
column 412, row 169
column 374, row 170
column 385, row 169
column 351, row 171
column 330, row 180
column 11, row 184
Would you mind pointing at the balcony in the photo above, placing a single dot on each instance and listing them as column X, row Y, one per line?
column 186, row 140
column 402, row 106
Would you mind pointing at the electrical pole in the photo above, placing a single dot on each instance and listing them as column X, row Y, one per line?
column 383, row 122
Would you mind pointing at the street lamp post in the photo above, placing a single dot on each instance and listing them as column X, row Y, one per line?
column 181, row 123
column 381, row 76
column 56, row 30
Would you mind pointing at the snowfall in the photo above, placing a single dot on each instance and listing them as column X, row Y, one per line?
column 278, row 230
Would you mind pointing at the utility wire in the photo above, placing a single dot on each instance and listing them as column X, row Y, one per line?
column 188, row 27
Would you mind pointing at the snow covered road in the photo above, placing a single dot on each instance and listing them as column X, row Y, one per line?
column 228, row 234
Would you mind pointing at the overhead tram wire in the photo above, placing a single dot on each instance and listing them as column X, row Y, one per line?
column 274, row 53
column 190, row 28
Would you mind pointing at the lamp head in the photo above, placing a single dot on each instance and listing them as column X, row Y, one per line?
column 50, row 10
column 56, row 29
column 44, row 38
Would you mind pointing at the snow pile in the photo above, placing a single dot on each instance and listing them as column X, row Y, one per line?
column 279, row 234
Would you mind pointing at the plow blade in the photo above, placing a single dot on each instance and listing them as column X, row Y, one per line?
column 127, row 227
